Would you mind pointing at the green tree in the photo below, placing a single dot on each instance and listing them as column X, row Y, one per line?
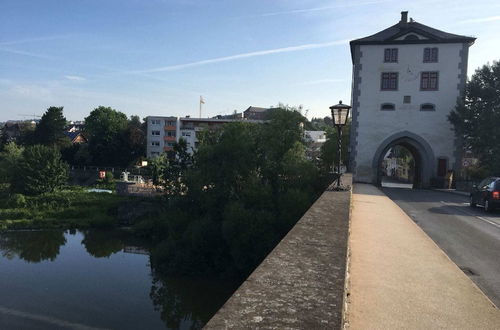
column 476, row 119
column 246, row 186
column 133, row 141
column 158, row 166
column 9, row 159
column 40, row 170
column 50, row 129
column 104, row 128
column 4, row 139
column 329, row 149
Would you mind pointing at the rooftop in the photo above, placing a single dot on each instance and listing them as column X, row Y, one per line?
column 410, row 32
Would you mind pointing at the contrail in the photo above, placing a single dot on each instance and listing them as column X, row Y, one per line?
column 21, row 52
column 243, row 55
column 23, row 41
column 308, row 10
column 481, row 20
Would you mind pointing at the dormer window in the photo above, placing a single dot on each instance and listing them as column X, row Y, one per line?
column 430, row 55
column 390, row 55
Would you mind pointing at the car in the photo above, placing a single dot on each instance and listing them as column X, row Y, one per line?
column 486, row 194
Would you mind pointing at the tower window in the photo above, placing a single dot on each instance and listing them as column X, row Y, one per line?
column 391, row 55
column 430, row 55
column 429, row 81
column 427, row 107
column 407, row 99
column 389, row 81
column 387, row 107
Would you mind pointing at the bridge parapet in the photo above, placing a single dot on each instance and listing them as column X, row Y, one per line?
column 300, row 284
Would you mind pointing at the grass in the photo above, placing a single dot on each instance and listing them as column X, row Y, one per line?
column 72, row 207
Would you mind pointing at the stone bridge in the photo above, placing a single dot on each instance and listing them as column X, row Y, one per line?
column 357, row 260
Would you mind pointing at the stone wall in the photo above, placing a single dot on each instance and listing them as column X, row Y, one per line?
column 300, row 285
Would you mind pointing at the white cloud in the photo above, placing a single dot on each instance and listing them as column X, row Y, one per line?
column 75, row 78
column 243, row 55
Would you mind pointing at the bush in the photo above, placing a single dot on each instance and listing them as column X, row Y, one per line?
column 109, row 177
column 40, row 170
column 17, row 201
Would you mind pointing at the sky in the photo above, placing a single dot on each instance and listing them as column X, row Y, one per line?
column 156, row 57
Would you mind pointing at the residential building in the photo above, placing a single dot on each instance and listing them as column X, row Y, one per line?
column 257, row 113
column 164, row 132
column 75, row 126
column 76, row 137
column 314, row 140
column 406, row 80
column 15, row 128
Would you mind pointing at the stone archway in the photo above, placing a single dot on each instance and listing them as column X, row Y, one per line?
column 419, row 148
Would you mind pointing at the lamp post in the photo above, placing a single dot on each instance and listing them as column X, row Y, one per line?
column 340, row 114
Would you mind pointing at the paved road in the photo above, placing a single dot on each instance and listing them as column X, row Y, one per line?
column 470, row 237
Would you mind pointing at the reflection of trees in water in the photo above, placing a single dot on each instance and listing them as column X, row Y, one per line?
column 32, row 246
column 101, row 244
column 188, row 302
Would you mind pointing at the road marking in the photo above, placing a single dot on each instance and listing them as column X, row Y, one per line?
column 472, row 214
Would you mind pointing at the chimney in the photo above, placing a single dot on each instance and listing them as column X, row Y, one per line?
column 404, row 17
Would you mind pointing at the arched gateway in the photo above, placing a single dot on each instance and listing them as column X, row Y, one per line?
column 419, row 148
column 406, row 80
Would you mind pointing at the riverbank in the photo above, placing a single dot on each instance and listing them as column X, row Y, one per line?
column 73, row 207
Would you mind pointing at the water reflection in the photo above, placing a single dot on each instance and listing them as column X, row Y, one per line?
column 32, row 246
column 102, row 244
column 110, row 272
column 188, row 303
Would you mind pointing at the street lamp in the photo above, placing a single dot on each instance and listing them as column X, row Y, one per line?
column 340, row 114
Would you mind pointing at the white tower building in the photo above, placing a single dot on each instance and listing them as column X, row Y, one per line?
column 406, row 80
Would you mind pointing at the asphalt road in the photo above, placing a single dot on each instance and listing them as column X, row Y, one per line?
column 469, row 236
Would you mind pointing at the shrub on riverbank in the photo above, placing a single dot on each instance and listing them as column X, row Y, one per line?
column 69, row 208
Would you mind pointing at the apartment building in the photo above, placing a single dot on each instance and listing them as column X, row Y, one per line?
column 164, row 132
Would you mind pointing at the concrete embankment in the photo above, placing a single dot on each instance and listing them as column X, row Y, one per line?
column 300, row 285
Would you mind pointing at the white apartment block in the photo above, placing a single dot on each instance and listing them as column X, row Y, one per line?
column 164, row 132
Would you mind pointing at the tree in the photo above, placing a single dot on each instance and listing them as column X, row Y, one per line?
column 476, row 119
column 104, row 128
column 50, row 129
column 242, row 190
column 4, row 139
column 134, row 141
column 9, row 159
column 40, row 170
column 329, row 149
column 158, row 168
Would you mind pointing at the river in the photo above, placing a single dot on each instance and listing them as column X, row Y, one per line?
column 94, row 279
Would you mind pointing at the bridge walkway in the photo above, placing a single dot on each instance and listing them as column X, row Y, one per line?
column 400, row 279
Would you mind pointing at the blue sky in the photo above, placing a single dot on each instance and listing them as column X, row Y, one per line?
column 156, row 57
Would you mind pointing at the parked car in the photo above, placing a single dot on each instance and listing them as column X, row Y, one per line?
column 487, row 194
